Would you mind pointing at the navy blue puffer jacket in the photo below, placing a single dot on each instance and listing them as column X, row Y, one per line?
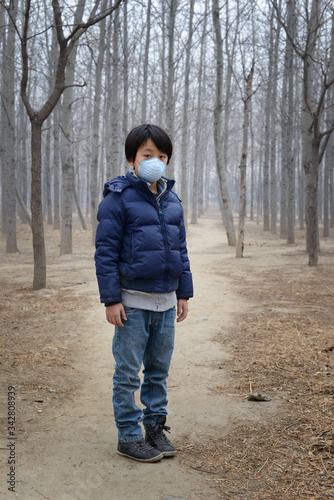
column 140, row 243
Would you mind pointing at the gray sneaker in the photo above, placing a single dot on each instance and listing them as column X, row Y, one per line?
column 156, row 438
column 139, row 450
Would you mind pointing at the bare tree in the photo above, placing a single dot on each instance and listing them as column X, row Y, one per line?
column 267, row 135
column 218, row 109
column 243, row 165
column 96, row 125
column 185, row 124
column 198, row 163
column 9, row 131
column 317, row 63
column 145, row 65
column 66, row 145
column 66, row 44
column 170, row 104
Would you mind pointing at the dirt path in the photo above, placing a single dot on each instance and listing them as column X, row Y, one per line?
column 57, row 355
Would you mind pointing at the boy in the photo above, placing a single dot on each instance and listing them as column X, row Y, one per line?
column 143, row 272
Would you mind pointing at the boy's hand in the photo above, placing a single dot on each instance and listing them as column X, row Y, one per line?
column 182, row 310
column 115, row 313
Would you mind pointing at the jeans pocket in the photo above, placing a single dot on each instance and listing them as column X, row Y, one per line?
column 130, row 310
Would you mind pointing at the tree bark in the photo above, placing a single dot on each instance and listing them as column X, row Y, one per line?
column 66, row 147
column 146, row 63
column 290, row 129
column 8, row 114
column 185, row 124
column 273, row 133
column 170, row 104
column 243, row 166
column 217, row 127
column 37, row 225
column 268, row 115
column 96, row 127
column 115, row 98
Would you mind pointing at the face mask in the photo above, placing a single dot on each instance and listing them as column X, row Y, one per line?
column 151, row 170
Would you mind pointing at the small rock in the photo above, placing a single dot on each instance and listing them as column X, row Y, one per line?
column 257, row 396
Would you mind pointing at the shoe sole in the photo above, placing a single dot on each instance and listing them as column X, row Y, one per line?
column 168, row 453
column 147, row 460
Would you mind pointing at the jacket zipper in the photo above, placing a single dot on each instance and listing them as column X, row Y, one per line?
column 164, row 234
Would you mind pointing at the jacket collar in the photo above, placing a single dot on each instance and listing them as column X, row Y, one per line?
column 144, row 186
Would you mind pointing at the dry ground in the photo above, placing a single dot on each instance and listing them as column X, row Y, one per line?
column 263, row 323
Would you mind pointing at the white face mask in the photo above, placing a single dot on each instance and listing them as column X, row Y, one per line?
column 151, row 170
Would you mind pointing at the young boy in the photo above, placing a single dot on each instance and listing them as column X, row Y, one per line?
column 143, row 272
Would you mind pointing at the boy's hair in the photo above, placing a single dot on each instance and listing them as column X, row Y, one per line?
column 139, row 135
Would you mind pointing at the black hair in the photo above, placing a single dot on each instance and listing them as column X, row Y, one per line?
column 139, row 135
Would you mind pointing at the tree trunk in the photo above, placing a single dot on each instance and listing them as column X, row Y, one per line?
column 96, row 128
column 146, row 63
column 126, row 69
column 217, row 127
column 266, row 170
column 311, row 210
column 284, row 141
column 47, row 172
column 115, row 99
column 23, row 206
column 56, row 168
column 170, row 104
column 290, row 130
column 311, row 141
column 252, row 167
column 273, row 133
column 326, row 191
column 36, row 207
column 8, row 115
column 185, row 124
column 66, row 147
column 331, row 190
column 243, row 166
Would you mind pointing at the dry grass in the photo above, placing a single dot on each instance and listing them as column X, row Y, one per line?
column 36, row 344
column 287, row 351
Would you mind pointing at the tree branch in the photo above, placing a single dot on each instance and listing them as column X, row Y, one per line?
column 59, row 23
column 25, row 71
column 328, row 134
column 82, row 27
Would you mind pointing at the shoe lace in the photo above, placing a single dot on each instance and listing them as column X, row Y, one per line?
column 143, row 445
column 158, row 432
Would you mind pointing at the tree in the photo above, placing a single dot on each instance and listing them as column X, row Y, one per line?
column 170, row 104
column 243, row 165
column 218, row 109
column 96, row 125
column 66, row 145
column 185, row 124
column 317, row 62
column 66, row 43
column 9, row 131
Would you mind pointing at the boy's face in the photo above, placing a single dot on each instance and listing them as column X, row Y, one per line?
column 147, row 150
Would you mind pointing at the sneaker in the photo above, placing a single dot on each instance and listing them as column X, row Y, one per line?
column 139, row 450
column 156, row 438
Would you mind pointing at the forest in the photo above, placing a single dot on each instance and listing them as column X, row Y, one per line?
column 245, row 88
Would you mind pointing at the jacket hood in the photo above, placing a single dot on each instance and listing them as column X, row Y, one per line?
column 115, row 185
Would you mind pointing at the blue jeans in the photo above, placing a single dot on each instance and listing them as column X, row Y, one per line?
column 148, row 338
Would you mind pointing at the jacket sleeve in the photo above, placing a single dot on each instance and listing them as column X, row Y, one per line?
column 185, row 289
column 109, row 235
